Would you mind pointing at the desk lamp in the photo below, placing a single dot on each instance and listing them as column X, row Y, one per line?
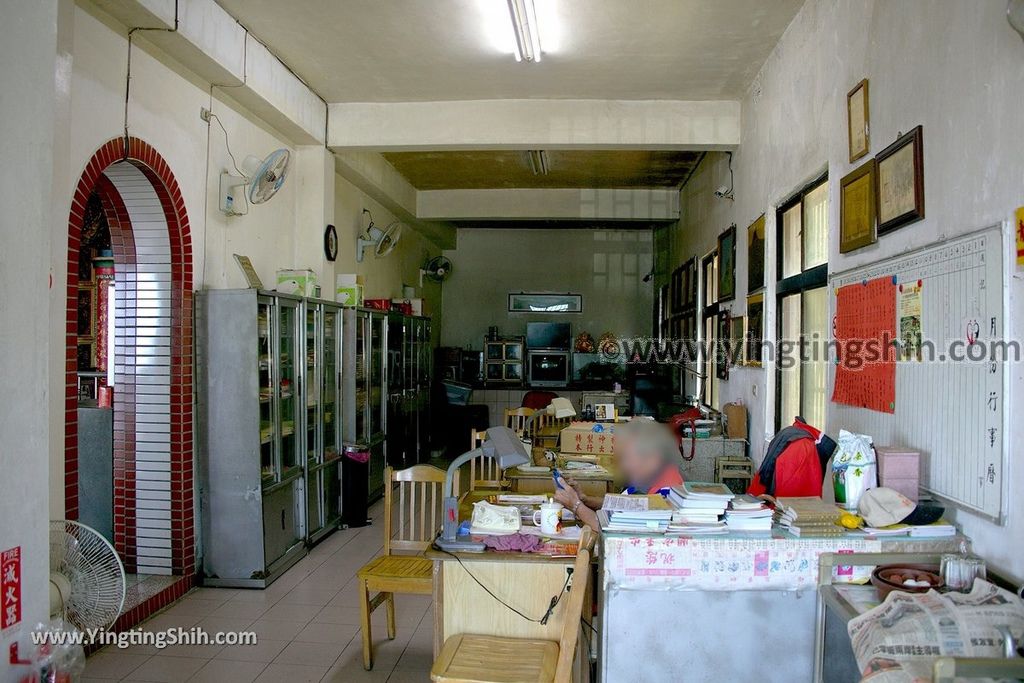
column 503, row 445
column 558, row 408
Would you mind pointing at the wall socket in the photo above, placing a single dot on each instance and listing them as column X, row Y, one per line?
column 568, row 578
column 205, row 114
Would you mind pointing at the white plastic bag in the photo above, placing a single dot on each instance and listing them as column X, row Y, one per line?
column 854, row 468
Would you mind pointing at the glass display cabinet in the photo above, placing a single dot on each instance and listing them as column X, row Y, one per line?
column 399, row 338
column 322, row 426
column 249, row 366
column 364, row 377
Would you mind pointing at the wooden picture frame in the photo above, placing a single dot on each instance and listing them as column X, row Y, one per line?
column 755, row 255
column 722, row 360
column 857, row 208
column 753, row 333
column 727, row 264
column 690, row 295
column 899, row 182
column 858, row 121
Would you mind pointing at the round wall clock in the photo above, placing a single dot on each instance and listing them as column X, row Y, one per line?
column 331, row 243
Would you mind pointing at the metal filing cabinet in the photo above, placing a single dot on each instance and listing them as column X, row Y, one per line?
column 250, row 374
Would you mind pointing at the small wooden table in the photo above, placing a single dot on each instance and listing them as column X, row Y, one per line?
column 526, row 581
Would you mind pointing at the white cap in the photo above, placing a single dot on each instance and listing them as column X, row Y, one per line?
column 883, row 507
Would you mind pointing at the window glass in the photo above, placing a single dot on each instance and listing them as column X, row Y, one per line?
column 789, row 373
column 815, row 226
column 812, row 380
column 791, row 242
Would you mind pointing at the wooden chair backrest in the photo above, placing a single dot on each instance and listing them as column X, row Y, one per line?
column 419, row 510
column 574, row 608
column 515, row 419
column 484, row 473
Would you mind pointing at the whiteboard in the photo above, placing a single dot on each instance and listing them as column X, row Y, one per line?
column 954, row 412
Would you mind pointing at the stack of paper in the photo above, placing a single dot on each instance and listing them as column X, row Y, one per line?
column 699, row 502
column 938, row 529
column 747, row 513
column 643, row 514
column 808, row 517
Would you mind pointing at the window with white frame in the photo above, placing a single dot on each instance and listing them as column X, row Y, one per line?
column 802, row 305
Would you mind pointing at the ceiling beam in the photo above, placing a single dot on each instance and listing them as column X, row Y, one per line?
column 381, row 182
column 642, row 205
column 534, row 124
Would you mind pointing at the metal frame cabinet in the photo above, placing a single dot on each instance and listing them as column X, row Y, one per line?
column 251, row 461
column 322, row 423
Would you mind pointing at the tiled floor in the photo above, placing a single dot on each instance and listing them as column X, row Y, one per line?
column 307, row 623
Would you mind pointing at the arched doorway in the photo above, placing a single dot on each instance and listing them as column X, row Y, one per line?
column 151, row 353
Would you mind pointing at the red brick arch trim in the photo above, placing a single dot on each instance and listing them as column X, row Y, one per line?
column 157, row 171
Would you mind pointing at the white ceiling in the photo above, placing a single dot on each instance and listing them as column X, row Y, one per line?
column 423, row 50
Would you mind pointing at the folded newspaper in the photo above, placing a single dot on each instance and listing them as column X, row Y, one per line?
column 898, row 641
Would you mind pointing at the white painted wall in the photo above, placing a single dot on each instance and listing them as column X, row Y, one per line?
column 605, row 266
column 385, row 276
column 955, row 67
column 28, row 49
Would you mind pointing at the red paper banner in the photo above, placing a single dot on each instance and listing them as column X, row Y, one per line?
column 10, row 587
column 865, row 333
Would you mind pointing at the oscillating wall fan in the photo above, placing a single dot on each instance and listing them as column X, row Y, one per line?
column 437, row 269
column 382, row 241
column 87, row 581
column 261, row 180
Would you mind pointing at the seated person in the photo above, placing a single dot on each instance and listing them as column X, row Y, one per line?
column 647, row 455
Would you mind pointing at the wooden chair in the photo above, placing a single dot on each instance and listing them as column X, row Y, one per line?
column 419, row 522
column 468, row 658
column 515, row 419
column 484, row 473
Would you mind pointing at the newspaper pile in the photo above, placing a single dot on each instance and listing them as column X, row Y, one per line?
column 898, row 641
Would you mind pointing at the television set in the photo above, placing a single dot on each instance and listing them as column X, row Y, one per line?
column 548, row 336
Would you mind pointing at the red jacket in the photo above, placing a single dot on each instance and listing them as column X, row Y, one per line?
column 798, row 468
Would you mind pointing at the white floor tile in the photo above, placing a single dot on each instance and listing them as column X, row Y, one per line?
column 292, row 673
column 239, row 609
column 283, row 611
column 113, row 664
column 227, row 671
column 275, row 629
column 264, row 651
column 337, row 635
column 165, row 669
column 313, row 654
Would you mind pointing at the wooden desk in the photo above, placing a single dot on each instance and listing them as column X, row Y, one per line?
column 592, row 483
column 526, row 581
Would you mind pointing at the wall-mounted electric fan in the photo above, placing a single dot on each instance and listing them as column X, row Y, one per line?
column 382, row 241
column 437, row 269
column 87, row 581
column 261, row 180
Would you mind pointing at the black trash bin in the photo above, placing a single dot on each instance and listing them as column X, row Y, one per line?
column 355, row 484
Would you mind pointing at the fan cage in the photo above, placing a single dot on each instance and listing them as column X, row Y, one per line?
column 94, row 571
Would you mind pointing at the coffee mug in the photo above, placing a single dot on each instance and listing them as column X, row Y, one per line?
column 549, row 518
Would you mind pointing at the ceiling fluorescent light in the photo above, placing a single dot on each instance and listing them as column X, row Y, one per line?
column 524, row 23
column 538, row 159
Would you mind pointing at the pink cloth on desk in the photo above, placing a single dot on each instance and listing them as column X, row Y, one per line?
column 519, row 542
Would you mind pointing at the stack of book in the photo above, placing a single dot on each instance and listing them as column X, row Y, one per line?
column 699, row 502
column 808, row 517
column 747, row 513
column 635, row 514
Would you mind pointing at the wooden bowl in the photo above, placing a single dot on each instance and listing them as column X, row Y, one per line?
column 891, row 577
